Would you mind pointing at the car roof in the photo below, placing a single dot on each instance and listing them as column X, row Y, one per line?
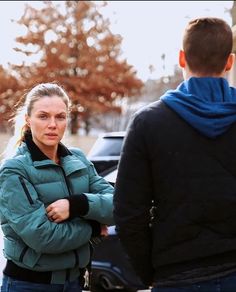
column 112, row 134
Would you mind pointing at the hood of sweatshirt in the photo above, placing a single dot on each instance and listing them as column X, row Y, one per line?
column 208, row 104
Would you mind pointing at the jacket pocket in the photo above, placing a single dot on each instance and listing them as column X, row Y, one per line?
column 26, row 190
column 67, row 260
column 20, row 253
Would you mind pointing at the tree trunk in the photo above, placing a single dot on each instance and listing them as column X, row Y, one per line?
column 87, row 127
column 74, row 123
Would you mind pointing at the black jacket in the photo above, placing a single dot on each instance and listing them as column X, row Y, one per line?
column 191, row 181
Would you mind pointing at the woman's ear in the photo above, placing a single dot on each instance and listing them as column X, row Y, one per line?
column 230, row 62
column 182, row 59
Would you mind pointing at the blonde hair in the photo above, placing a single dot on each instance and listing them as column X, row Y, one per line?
column 20, row 126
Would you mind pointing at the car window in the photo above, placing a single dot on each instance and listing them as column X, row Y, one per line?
column 107, row 146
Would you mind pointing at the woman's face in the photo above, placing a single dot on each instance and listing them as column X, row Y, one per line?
column 47, row 121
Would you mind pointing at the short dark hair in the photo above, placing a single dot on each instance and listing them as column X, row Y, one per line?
column 207, row 44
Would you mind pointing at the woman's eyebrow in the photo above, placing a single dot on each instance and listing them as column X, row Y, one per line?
column 45, row 112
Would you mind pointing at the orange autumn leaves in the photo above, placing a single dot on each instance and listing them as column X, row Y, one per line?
column 77, row 49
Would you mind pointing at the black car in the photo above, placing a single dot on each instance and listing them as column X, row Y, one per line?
column 111, row 268
column 105, row 153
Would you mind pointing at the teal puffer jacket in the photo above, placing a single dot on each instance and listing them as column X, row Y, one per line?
column 28, row 184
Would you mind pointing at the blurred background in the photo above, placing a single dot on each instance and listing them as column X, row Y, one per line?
column 112, row 57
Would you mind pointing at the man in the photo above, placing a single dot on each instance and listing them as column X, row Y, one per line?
column 179, row 161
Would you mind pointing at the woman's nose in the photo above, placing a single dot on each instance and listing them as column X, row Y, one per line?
column 52, row 123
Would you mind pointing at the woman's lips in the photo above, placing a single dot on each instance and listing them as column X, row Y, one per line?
column 51, row 135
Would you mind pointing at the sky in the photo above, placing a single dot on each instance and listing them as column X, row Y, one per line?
column 150, row 30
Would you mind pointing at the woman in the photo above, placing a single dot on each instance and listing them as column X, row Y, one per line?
column 52, row 202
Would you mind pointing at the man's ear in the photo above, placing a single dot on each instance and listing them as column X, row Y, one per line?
column 230, row 62
column 182, row 59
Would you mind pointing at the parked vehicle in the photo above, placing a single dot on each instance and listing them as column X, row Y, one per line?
column 111, row 268
column 105, row 153
column 111, row 176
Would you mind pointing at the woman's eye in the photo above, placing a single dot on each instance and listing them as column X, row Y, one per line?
column 43, row 117
column 61, row 118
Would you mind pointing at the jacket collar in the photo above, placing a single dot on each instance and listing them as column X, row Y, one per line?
column 37, row 154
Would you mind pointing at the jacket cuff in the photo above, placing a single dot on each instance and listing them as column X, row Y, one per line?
column 79, row 205
column 96, row 228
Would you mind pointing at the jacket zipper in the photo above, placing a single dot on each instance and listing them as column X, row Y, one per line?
column 69, row 192
column 26, row 190
column 66, row 181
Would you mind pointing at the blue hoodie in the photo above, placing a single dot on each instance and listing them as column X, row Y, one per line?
column 208, row 104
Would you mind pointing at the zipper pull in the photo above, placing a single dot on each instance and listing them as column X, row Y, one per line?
column 86, row 279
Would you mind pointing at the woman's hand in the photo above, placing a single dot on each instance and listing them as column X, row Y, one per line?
column 104, row 230
column 58, row 211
